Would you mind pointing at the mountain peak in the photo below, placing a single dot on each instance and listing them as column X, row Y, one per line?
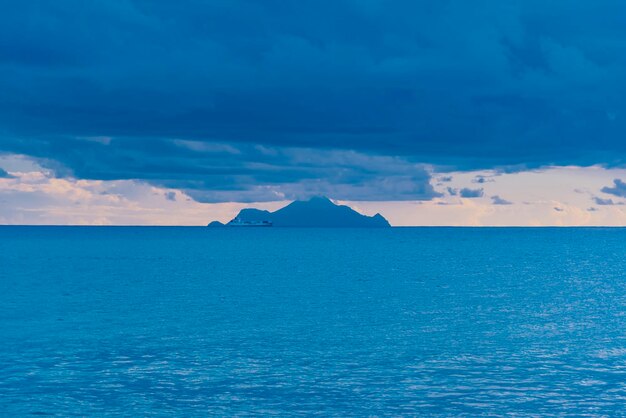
column 320, row 199
column 315, row 201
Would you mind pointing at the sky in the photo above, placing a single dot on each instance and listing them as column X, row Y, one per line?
column 442, row 112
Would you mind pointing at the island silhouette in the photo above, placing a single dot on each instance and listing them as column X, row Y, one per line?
column 315, row 212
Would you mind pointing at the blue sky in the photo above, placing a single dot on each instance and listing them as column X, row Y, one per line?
column 226, row 103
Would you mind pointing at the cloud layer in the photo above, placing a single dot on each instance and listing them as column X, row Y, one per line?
column 189, row 94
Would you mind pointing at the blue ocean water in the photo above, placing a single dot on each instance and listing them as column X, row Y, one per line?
column 413, row 321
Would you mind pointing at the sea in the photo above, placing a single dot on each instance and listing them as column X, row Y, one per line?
column 191, row 321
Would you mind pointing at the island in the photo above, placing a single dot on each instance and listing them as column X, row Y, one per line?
column 316, row 212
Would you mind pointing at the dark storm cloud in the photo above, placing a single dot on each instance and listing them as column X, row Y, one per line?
column 471, row 193
column 618, row 189
column 603, row 202
column 482, row 180
column 213, row 172
column 497, row 200
column 460, row 84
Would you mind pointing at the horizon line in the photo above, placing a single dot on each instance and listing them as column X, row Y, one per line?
column 312, row 227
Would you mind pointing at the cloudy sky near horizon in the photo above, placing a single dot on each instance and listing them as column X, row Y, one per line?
column 441, row 112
